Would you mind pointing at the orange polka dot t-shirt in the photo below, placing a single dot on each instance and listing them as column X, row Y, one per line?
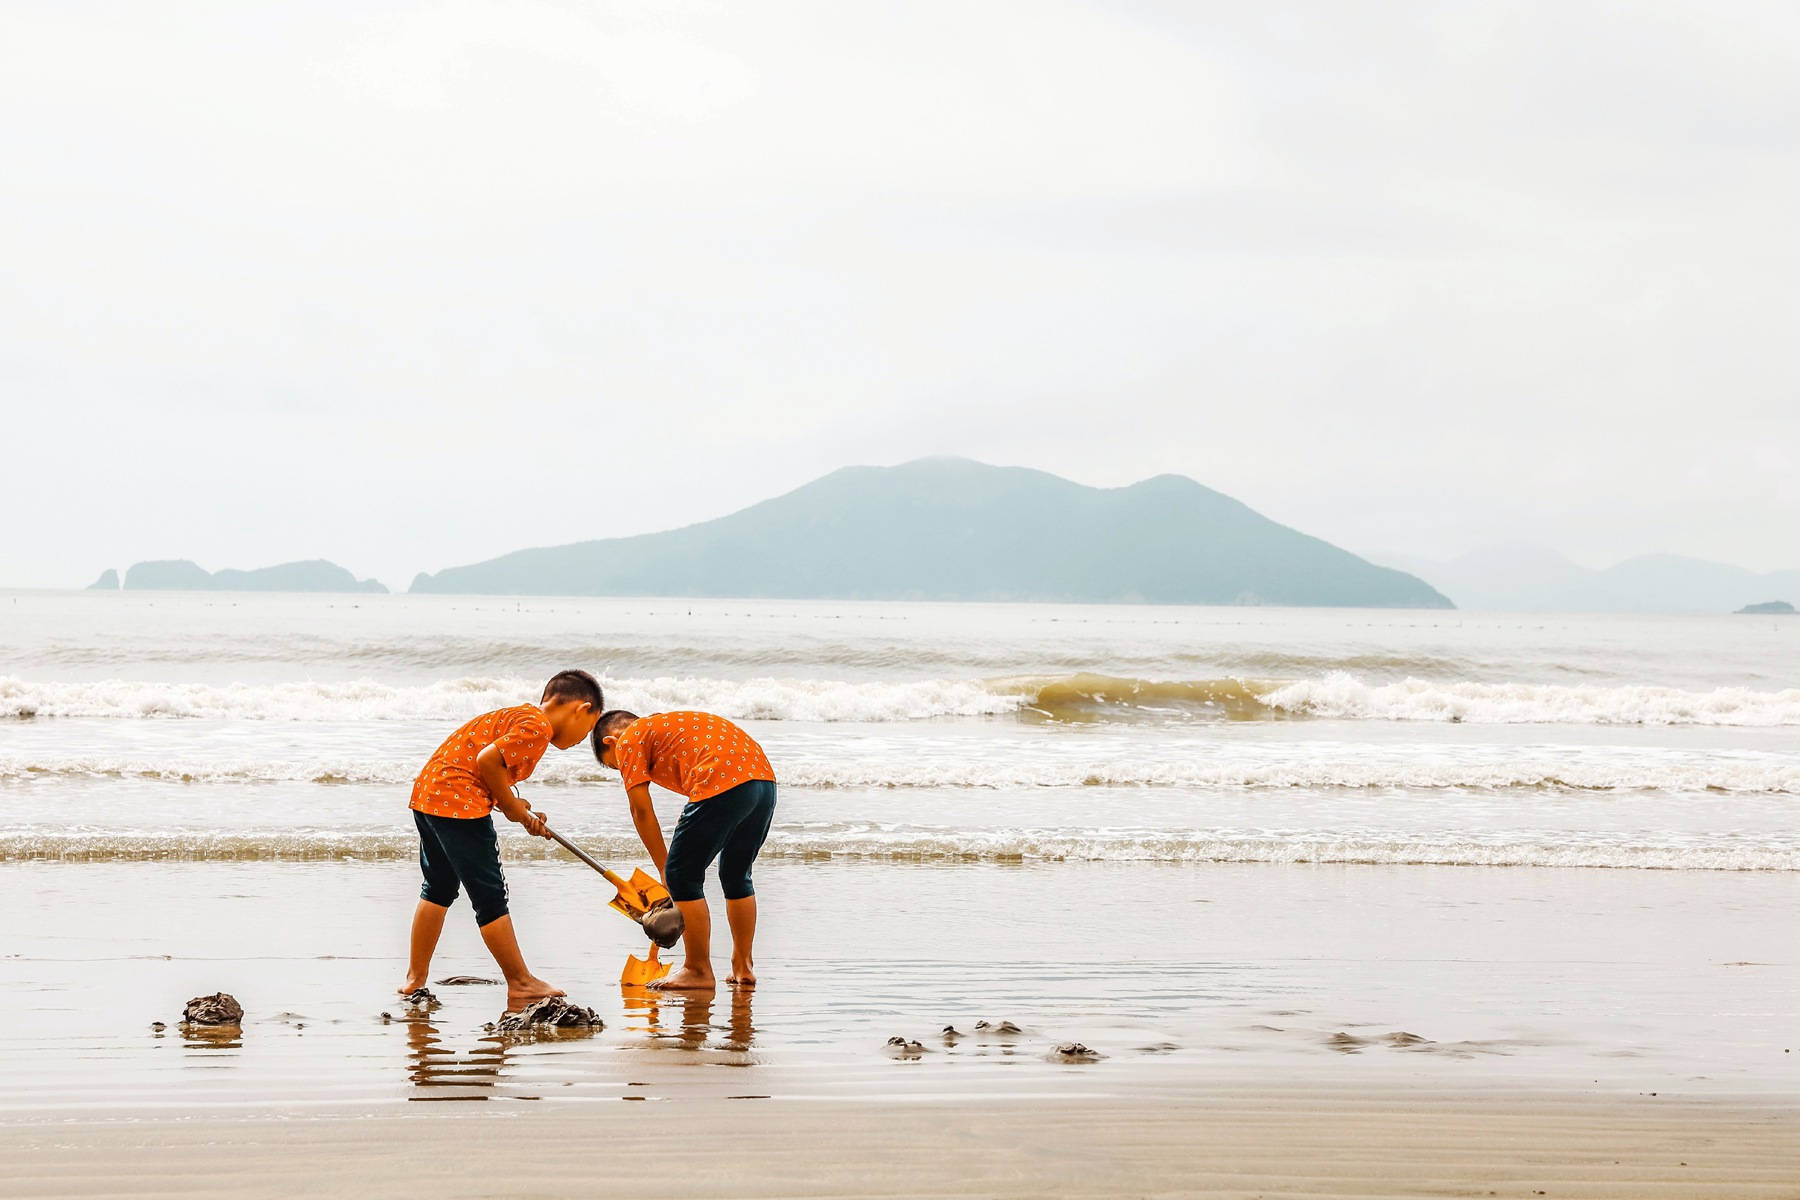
column 450, row 784
column 693, row 753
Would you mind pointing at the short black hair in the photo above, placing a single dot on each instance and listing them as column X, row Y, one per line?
column 609, row 724
column 575, row 685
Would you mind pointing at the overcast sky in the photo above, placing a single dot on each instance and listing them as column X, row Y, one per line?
column 406, row 286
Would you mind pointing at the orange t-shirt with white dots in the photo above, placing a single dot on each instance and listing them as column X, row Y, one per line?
column 450, row 784
column 693, row 753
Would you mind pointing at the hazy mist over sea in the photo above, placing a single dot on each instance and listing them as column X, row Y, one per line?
column 411, row 285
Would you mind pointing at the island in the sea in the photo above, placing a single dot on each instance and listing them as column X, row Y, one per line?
column 1768, row 608
column 953, row 529
column 178, row 574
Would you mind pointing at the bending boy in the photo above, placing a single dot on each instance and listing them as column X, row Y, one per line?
column 730, row 789
column 453, row 800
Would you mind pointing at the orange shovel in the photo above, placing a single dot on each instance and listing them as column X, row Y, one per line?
column 645, row 901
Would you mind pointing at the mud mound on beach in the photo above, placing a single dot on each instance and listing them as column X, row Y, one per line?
column 220, row 1008
column 551, row 1012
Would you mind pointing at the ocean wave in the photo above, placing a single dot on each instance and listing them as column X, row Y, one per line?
column 1344, row 697
column 1061, row 699
column 459, row 699
column 1505, row 769
column 924, row 846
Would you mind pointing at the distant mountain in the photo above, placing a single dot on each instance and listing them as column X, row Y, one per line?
column 108, row 581
column 1531, row 579
column 180, row 575
column 952, row 529
column 1768, row 608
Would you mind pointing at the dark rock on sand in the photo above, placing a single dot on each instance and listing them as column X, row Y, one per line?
column 1403, row 1038
column 157, row 1026
column 467, row 981
column 904, row 1048
column 951, row 1033
column 1073, row 1052
column 216, row 1009
column 551, row 1012
column 423, row 998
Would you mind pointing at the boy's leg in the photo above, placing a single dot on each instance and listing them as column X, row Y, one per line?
column 436, row 895
column 692, row 847
column 474, row 850
column 522, row 987
column 741, row 916
column 428, row 923
column 735, row 862
column 695, row 972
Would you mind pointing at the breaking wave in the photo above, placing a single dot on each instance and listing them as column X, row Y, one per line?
column 458, row 699
column 1068, row 698
column 1510, row 768
column 882, row 844
column 1344, row 697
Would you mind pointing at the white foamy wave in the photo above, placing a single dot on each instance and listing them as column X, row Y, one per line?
column 1061, row 699
column 887, row 844
column 1344, row 697
column 1514, row 769
column 459, row 699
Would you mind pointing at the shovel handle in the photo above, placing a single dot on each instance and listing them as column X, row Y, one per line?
column 583, row 855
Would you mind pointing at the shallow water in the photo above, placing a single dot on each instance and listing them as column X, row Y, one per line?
column 1190, row 981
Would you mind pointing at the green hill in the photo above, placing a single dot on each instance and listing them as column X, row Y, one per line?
column 178, row 574
column 952, row 529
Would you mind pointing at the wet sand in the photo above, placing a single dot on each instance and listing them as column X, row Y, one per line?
column 1314, row 1145
column 1261, row 1030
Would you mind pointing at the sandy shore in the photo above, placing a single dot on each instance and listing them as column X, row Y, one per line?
column 1284, row 1145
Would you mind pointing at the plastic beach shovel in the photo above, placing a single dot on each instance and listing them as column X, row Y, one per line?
column 638, row 897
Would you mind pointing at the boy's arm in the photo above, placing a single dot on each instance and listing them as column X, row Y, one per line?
column 490, row 765
column 643, row 815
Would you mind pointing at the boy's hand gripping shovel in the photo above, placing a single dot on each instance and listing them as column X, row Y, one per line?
column 645, row 901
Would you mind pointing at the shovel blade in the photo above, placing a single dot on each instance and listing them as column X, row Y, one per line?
column 648, row 889
column 640, row 894
column 641, row 972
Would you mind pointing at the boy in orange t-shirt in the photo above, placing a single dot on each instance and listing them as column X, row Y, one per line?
column 730, row 789
column 453, row 800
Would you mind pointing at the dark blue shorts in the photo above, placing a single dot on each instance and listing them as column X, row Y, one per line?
column 730, row 827
column 457, row 853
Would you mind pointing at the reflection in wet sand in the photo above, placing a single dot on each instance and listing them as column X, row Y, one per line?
column 438, row 1073
column 684, row 1021
column 209, row 1039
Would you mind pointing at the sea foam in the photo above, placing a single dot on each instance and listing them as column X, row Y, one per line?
column 1344, row 697
column 887, row 844
column 1069, row 698
column 1402, row 768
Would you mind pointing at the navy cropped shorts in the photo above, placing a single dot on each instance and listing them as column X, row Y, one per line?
column 458, row 853
column 730, row 827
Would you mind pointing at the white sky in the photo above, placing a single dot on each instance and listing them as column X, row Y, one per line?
column 409, row 286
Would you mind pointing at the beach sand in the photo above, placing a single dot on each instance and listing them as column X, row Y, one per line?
column 1265, row 1030
column 1312, row 1145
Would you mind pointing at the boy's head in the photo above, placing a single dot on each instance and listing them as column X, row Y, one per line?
column 606, row 735
column 572, row 703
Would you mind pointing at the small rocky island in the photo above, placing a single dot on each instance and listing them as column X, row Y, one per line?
column 180, row 575
column 1769, row 608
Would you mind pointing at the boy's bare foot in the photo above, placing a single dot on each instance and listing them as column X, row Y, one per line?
column 413, row 983
column 684, row 980
column 744, row 976
column 518, row 995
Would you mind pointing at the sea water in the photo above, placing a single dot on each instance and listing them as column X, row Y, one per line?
column 1561, row 846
